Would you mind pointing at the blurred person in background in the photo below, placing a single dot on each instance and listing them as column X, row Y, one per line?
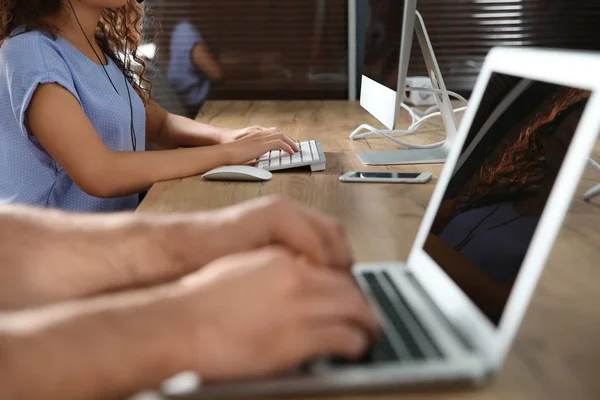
column 192, row 66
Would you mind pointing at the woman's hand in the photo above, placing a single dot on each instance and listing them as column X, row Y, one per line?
column 251, row 143
column 231, row 135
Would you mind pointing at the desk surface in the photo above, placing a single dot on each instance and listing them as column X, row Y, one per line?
column 557, row 351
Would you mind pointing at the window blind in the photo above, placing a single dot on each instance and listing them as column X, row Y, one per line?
column 297, row 49
column 267, row 48
column 463, row 31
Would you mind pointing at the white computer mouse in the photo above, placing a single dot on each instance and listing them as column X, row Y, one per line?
column 238, row 173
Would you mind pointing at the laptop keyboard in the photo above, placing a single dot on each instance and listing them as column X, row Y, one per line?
column 405, row 338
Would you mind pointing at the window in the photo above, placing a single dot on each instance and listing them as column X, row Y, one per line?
column 272, row 49
column 463, row 31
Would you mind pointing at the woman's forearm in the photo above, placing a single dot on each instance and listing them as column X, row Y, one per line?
column 184, row 132
column 127, row 173
column 172, row 131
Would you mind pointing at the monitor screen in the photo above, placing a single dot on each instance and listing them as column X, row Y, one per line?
column 382, row 41
column 497, row 194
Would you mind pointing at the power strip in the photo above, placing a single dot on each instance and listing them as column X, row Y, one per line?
column 419, row 98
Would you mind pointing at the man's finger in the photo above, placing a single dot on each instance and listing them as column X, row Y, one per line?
column 332, row 339
column 291, row 228
column 335, row 295
column 332, row 234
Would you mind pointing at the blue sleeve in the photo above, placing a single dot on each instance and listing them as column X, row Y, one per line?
column 187, row 33
column 35, row 61
column 195, row 34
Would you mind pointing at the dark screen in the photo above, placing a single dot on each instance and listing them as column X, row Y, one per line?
column 498, row 192
column 382, row 42
column 385, row 175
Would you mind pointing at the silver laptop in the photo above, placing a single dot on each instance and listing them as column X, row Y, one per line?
column 452, row 310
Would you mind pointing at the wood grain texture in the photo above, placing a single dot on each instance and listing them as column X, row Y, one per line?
column 557, row 351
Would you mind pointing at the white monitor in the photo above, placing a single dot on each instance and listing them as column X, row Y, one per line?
column 387, row 46
column 387, row 52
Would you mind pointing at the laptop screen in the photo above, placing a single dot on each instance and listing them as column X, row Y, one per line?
column 499, row 188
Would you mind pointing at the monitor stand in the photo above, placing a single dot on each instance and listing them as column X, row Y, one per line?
column 421, row 156
column 405, row 157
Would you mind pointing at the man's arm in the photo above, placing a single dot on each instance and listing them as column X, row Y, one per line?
column 50, row 256
column 114, row 345
column 106, row 347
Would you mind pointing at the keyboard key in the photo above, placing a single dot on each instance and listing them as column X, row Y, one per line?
column 313, row 149
column 306, row 154
column 393, row 317
column 263, row 164
column 274, row 162
column 286, row 160
column 264, row 157
column 422, row 331
column 297, row 158
column 381, row 351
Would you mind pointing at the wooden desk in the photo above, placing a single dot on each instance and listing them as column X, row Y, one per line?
column 557, row 351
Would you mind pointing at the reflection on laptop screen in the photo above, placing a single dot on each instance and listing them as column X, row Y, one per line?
column 382, row 46
column 498, row 192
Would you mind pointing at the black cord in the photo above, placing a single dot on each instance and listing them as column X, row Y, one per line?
column 131, row 124
column 126, row 64
column 92, row 47
column 468, row 238
column 504, row 223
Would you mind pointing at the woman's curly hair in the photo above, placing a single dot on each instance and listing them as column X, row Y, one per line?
column 519, row 166
column 117, row 30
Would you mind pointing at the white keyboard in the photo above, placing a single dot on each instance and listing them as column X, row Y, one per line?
column 310, row 154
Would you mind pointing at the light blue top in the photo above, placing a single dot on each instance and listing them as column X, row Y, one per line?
column 28, row 174
column 500, row 238
column 182, row 74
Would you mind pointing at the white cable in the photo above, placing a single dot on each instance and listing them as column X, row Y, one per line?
column 430, row 90
column 417, row 121
column 436, row 114
column 595, row 191
column 426, row 112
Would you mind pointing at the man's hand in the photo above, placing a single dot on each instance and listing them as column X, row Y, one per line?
column 267, row 311
column 197, row 241
column 246, row 315
column 275, row 221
